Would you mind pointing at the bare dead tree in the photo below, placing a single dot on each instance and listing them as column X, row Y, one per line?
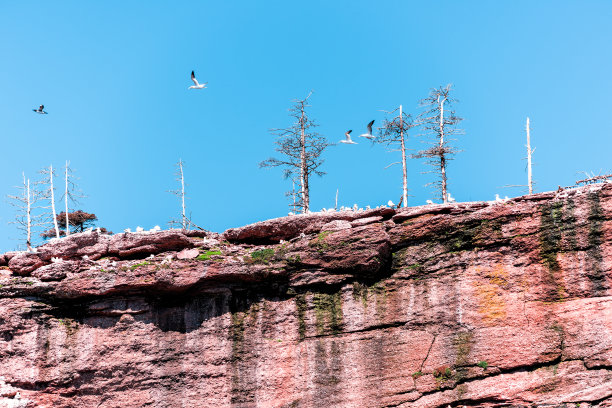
column 529, row 153
column 180, row 192
column 394, row 133
column 25, row 202
column 301, row 149
column 71, row 195
column 47, row 193
column 439, row 123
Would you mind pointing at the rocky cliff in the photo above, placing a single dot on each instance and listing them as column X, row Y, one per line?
column 466, row 304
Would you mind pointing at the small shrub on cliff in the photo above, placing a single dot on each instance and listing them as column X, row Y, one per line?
column 442, row 373
column 208, row 254
column 262, row 256
column 483, row 364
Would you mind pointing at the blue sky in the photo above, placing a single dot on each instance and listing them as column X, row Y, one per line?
column 113, row 76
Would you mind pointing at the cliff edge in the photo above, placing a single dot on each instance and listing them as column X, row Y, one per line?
column 465, row 304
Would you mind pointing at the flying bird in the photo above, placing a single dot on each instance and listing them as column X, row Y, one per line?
column 348, row 138
column 369, row 134
column 197, row 84
column 40, row 110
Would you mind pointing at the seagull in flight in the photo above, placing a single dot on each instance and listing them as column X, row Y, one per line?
column 40, row 110
column 348, row 138
column 197, row 84
column 369, row 134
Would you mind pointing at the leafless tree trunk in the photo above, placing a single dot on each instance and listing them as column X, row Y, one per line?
column 180, row 177
column 394, row 133
column 48, row 193
column 25, row 203
column 529, row 153
column 301, row 149
column 66, row 198
column 439, row 124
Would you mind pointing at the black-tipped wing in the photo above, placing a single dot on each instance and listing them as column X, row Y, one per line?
column 348, row 133
column 370, row 127
column 193, row 78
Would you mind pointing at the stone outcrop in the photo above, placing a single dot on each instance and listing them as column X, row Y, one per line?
column 465, row 304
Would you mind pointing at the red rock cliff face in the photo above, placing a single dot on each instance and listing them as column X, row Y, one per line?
column 472, row 304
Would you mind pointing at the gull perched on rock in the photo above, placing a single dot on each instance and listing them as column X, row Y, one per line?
column 390, row 203
column 139, row 229
column 348, row 138
column 40, row 110
column 197, row 84
column 369, row 134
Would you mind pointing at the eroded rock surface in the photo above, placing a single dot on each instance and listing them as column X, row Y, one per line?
column 465, row 304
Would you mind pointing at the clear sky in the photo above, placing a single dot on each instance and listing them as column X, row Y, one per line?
column 113, row 76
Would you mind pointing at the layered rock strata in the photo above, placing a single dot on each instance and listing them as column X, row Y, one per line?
column 465, row 304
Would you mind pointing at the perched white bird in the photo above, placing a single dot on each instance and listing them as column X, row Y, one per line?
column 127, row 230
column 355, row 207
column 55, row 259
column 497, row 198
column 89, row 230
column 450, row 199
column 156, row 228
column 367, row 207
column 348, row 138
column 429, row 202
column 291, row 213
column 139, row 229
column 18, row 395
column 197, row 84
column 40, row 110
column 390, row 203
column 369, row 134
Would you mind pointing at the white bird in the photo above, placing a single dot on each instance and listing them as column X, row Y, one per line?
column 127, row 230
column 369, row 134
column 156, row 228
column 197, row 84
column 56, row 259
column 367, row 207
column 499, row 200
column 18, row 395
column 429, row 202
column 291, row 213
column 390, row 203
column 355, row 207
column 40, row 110
column 139, row 229
column 450, row 199
column 348, row 138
